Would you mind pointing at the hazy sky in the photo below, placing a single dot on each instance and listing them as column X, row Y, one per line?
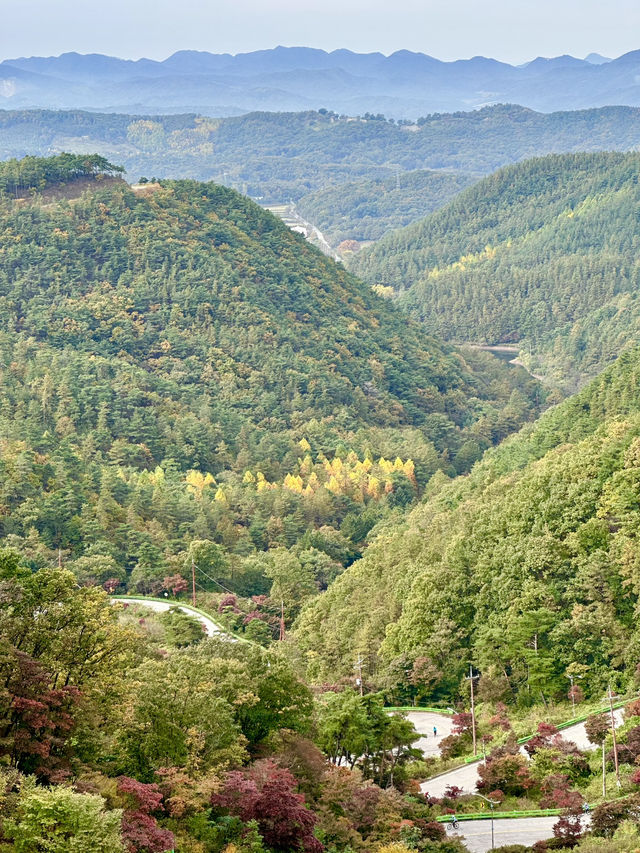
column 511, row 30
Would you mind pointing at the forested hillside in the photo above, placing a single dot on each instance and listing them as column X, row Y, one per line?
column 178, row 368
column 543, row 254
column 366, row 210
column 277, row 157
column 524, row 568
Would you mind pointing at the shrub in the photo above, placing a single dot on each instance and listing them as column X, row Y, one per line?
column 59, row 820
column 509, row 773
column 607, row 817
column 568, row 830
column 597, row 728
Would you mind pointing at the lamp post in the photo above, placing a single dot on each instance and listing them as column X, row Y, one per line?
column 492, row 803
column 573, row 698
column 470, row 679
column 613, row 733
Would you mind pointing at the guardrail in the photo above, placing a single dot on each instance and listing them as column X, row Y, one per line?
column 513, row 815
column 447, row 712
column 473, row 759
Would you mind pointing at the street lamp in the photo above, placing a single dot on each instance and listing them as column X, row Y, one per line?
column 470, row 679
column 573, row 698
column 492, row 803
column 611, row 696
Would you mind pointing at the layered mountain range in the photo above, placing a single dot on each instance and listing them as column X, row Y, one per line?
column 402, row 85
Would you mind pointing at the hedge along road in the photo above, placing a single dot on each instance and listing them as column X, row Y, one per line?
column 159, row 606
column 466, row 777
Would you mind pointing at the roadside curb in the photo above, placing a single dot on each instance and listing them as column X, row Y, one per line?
column 445, row 712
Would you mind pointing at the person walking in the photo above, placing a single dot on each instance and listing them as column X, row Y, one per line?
column 435, row 732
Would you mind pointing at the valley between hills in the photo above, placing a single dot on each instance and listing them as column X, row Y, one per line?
column 319, row 548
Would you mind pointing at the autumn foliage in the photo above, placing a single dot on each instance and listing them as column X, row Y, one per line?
column 267, row 794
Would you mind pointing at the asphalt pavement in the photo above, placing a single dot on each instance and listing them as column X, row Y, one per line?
column 424, row 722
column 466, row 777
column 476, row 834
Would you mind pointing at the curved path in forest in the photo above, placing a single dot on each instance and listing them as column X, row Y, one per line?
column 466, row 777
column 211, row 628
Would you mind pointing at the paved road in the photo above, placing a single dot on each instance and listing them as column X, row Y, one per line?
column 467, row 776
column 477, row 833
column 464, row 778
column 424, row 721
column 161, row 606
column 578, row 735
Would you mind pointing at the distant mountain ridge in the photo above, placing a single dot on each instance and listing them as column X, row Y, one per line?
column 402, row 85
column 277, row 157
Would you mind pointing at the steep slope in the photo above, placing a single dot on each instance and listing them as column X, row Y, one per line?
column 366, row 210
column 170, row 356
column 524, row 567
column 543, row 254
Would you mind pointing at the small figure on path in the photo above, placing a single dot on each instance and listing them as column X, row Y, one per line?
column 435, row 732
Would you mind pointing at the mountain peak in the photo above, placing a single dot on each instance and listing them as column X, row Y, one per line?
column 597, row 59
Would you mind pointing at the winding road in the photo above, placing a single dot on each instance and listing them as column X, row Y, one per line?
column 425, row 722
column 476, row 834
column 209, row 626
column 466, row 777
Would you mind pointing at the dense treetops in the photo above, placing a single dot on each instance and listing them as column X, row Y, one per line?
column 543, row 253
column 178, row 366
column 125, row 731
column 281, row 156
column 524, row 568
column 366, row 210
column 38, row 173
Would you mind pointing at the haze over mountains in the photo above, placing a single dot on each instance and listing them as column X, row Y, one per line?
column 402, row 85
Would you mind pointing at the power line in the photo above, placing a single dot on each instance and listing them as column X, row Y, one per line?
column 213, row 580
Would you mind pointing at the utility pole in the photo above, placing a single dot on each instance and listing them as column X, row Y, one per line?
column 193, row 582
column 470, row 677
column 493, row 841
column 613, row 732
column 573, row 698
column 358, row 666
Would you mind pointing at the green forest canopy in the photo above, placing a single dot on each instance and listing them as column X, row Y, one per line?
column 178, row 366
column 38, row 173
column 543, row 254
column 281, row 156
column 525, row 567
column 366, row 210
